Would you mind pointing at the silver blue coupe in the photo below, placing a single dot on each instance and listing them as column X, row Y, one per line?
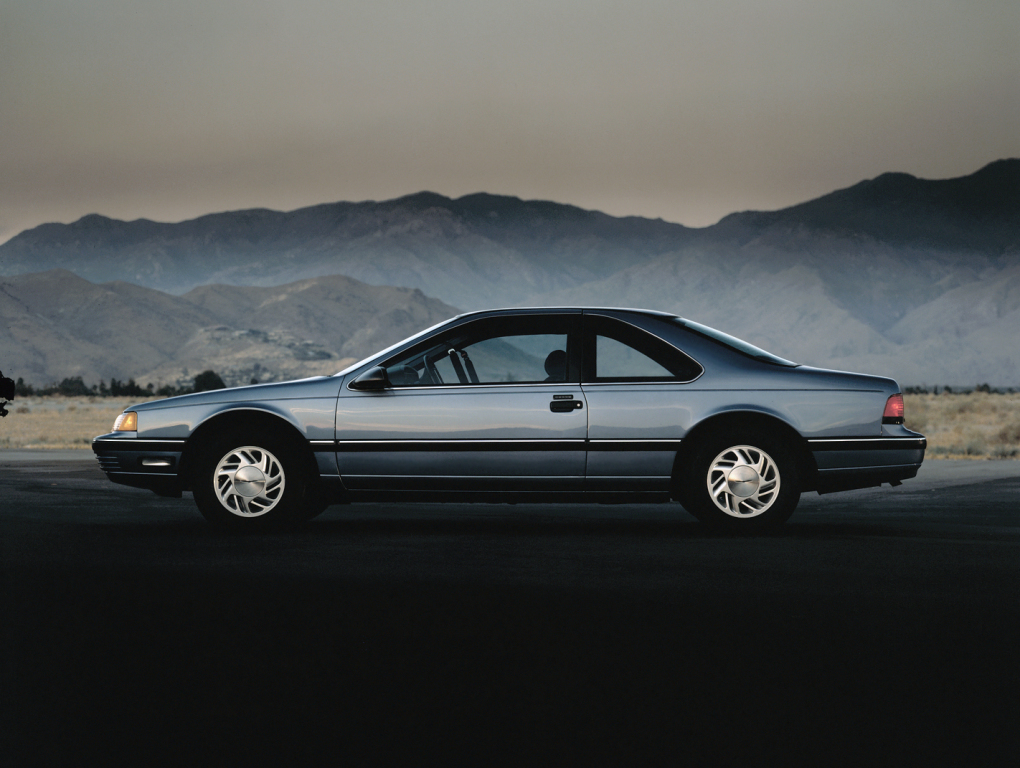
column 571, row 404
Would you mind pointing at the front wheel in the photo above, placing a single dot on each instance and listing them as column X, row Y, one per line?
column 250, row 482
column 742, row 483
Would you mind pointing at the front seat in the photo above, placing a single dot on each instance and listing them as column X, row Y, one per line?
column 556, row 365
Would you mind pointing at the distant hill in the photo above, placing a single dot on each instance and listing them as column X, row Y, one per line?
column 490, row 248
column 60, row 325
column 483, row 249
column 979, row 213
column 863, row 277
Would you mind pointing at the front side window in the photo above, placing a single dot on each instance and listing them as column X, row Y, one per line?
column 518, row 350
column 619, row 352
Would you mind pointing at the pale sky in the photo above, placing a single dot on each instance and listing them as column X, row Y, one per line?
column 681, row 110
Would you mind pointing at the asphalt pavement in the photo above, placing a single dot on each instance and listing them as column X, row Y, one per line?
column 878, row 624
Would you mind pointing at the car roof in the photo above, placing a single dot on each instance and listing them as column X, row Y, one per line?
column 560, row 310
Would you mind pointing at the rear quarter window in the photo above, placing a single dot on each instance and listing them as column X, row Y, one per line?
column 616, row 351
column 733, row 343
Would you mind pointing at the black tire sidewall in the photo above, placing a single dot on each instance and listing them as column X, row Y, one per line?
column 699, row 503
column 286, row 512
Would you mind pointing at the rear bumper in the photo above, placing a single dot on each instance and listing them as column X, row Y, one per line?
column 151, row 464
column 847, row 463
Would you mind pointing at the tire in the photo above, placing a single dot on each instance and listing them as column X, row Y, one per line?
column 251, row 482
column 742, row 482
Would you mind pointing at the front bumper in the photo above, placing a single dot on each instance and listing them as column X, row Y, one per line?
column 151, row 464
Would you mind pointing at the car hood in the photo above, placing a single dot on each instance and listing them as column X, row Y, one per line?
column 317, row 386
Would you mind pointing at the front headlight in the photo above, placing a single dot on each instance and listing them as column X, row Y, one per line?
column 126, row 422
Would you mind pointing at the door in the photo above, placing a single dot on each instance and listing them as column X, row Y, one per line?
column 633, row 384
column 490, row 405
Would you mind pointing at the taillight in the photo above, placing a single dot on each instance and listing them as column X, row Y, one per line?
column 893, row 413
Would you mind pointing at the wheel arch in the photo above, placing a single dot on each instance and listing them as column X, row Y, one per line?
column 244, row 419
column 747, row 421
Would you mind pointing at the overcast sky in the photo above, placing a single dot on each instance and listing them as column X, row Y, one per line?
column 681, row 110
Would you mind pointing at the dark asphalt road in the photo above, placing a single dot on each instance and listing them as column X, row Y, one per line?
column 881, row 623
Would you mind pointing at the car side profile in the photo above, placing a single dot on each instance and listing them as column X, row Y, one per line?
column 543, row 404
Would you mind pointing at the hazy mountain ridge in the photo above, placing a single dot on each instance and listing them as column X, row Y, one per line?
column 445, row 247
column 897, row 275
column 483, row 250
column 979, row 212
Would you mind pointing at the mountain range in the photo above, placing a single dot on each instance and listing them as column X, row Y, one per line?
column 915, row 278
column 60, row 325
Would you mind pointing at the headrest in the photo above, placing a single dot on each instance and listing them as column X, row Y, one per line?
column 556, row 364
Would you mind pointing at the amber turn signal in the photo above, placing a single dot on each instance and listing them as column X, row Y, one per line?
column 126, row 422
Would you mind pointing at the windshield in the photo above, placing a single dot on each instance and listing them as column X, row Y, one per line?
column 733, row 343
column 392, row 347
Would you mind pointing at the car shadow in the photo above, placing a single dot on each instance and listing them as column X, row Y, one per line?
column 679, row 526
column 340, row 522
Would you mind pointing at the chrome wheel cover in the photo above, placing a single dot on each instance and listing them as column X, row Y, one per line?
column 743, row 481
column 249, row 481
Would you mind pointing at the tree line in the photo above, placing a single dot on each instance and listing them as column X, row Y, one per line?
column 947, row 390
column 73, row 386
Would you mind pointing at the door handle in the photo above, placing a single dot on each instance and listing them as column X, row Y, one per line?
column 565, row 406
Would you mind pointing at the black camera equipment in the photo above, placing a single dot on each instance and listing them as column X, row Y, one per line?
column 6, row 393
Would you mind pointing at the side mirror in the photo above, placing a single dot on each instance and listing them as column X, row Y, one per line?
column 372, row 379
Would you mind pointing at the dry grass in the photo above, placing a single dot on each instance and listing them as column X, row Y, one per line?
column 60, row 422
column 975, row 425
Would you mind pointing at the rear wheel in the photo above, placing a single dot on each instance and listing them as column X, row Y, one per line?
column 252, row 481
column 742, row 482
